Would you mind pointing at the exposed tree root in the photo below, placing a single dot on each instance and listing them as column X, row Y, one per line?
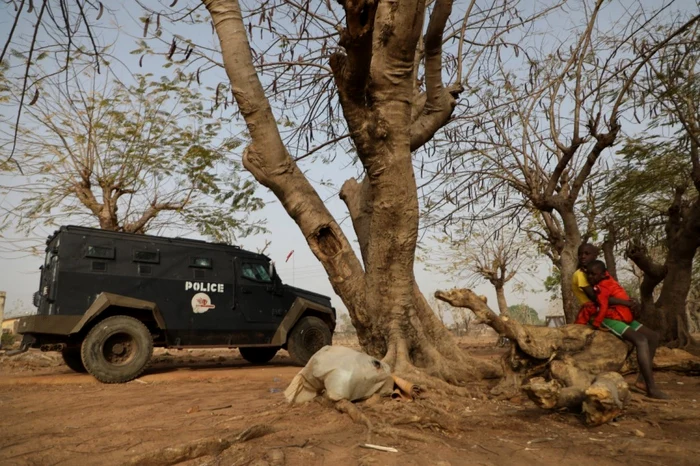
column 435, row 371
column 423, row 414
column 346, row 407
column 430, row 382
column 198, row 448
column 686, row 343
column 404, row 434
column 386, row 426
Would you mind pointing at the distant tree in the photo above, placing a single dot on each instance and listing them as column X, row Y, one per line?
column 552, row 284
column 18, row 308
column 524, row 314
column 124, row 158
column 345, row 324
column 463, row 319
column 481, row 252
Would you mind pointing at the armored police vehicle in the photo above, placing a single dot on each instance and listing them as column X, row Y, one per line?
column 107, row 298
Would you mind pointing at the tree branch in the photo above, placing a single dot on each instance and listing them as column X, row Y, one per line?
column 638, row 254
column 357, row 197
column 603, row 141
column 439, row 102
column 270, row 163
column 351, row 70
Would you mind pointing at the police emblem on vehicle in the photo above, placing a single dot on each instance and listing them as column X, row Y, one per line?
column 201, row 303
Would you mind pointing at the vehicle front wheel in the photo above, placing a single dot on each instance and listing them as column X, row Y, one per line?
column 117, row 349
column 258, row 355
column 308, row 336
column 71, row 356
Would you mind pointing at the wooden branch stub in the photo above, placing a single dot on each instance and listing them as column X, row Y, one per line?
column 605, row 398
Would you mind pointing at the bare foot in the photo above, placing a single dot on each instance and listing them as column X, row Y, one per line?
column 640, row 385
column 658, row 394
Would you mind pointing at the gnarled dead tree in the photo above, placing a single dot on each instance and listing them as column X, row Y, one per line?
column 573, row 367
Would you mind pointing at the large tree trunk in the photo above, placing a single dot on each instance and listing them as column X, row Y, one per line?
column 683, row 241
column 608, row 248
column 668, row 314
column 375, row 84
column 501, row 298
column 430, row 345
column 569, row 264
column 670, row 308
column 565, row 238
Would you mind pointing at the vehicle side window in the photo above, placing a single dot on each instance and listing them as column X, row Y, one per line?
column 99, row 252
column 255, row 272
column 201, row 262
column 247, row 271
column 149, row 257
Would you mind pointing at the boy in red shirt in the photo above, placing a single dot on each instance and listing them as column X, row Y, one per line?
column 583, row 291
column 619, row 320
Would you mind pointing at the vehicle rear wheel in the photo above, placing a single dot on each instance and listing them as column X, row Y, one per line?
column 308, row 336
column 72, row 359
column 258, row 355
column 117, row 349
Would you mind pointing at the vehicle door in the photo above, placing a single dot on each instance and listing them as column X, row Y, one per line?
column 208, row 299
column 259, row 296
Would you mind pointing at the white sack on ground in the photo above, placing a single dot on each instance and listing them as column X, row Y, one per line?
column 340, row 373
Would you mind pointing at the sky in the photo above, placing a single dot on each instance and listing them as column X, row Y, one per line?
column 19, row 274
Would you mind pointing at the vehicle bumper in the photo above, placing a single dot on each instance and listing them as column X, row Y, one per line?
column 52, row 325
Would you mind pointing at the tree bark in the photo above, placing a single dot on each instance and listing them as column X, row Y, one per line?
column 565, row 238
column 569, row 264
column 609, row 252
column 270, row 163
column 670, row 307
column 501, row 298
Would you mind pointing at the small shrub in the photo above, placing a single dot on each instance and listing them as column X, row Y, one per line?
column 8, row 339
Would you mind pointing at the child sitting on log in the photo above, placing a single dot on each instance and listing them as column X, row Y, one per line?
column 618, row 319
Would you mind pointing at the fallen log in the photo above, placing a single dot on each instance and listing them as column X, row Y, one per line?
column 574, row 366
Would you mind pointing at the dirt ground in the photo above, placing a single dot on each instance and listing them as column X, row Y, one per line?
column 52, row 416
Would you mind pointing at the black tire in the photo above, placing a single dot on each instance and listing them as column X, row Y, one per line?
column 308, row 336
column 258, row 355
column 72, row 359
column 117, row 349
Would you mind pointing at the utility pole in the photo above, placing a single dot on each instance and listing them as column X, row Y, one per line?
column 3, row 295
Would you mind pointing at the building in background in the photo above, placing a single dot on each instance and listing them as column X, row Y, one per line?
column 555, row 314
column 10, row 325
